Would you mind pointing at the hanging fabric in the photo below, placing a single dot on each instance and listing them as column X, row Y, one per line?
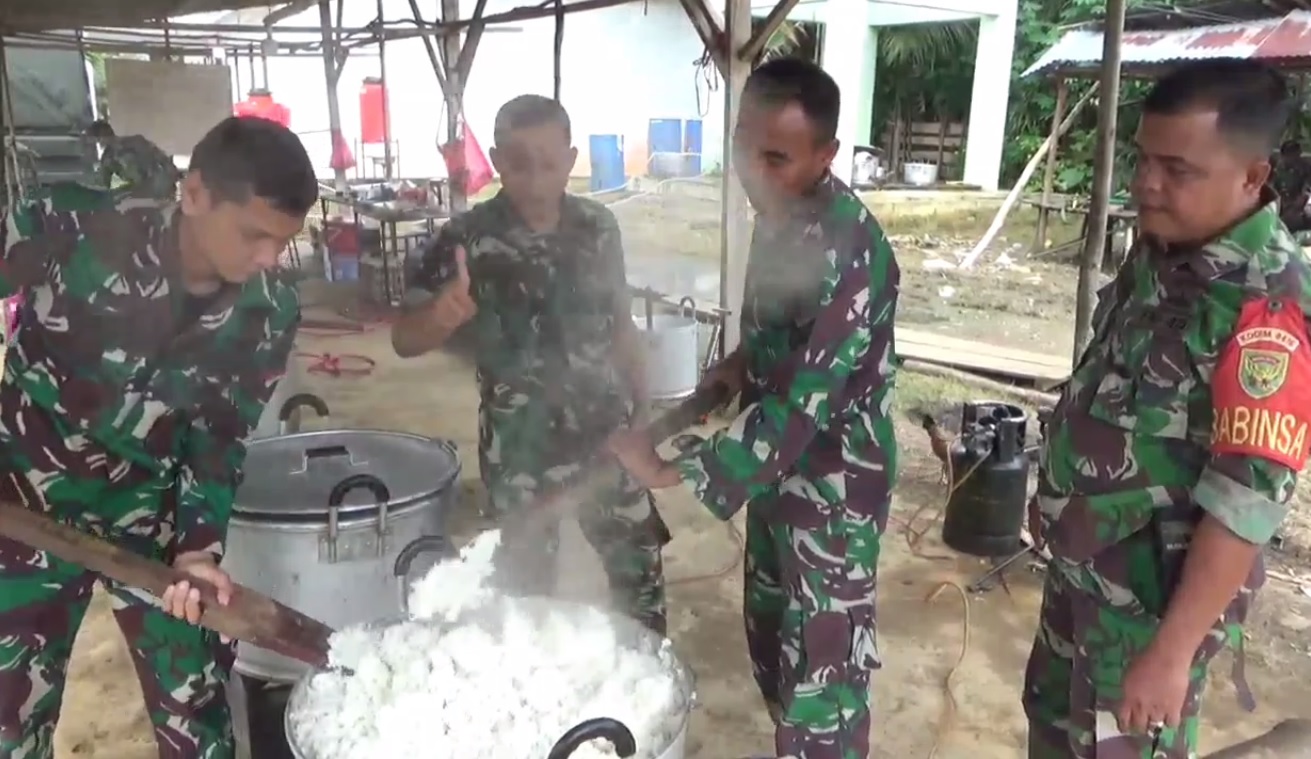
column 342, row 157
column 466, row 164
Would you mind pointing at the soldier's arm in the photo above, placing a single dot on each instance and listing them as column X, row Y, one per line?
column 414, row 334
column 215, row 447
column 1259, row 443
column 33, row 240
column 627, row 340
column 853, row 328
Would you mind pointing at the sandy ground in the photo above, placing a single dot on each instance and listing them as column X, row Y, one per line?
column 920, row 640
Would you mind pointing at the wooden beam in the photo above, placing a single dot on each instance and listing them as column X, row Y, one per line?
column 332, row 73
column 709, row 29
column 756, row 45
column 735, row 223
column 1103, row 174
column 454, row 92
column 437, row 67
column 1049, row 171
column 471, row 39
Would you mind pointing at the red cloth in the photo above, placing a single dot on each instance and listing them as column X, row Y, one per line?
column 1262, row 385
column 466, row 164
column 263, row 107
column 342, row 157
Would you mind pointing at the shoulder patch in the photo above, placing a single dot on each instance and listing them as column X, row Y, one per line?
column 1261, row 390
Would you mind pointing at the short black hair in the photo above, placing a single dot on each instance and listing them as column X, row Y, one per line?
column 100, row 128
column 245, row 156
column 1252, row 101
column 795, row 80
column 529, row 111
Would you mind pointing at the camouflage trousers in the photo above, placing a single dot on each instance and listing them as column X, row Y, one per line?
column 622, row 526
column 183, row 669
column 1096, row 618
column 808, row 605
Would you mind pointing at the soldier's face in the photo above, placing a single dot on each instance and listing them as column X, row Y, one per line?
column 1191, row 182
column 778, row 154
column 237, row 239
column 534, row 164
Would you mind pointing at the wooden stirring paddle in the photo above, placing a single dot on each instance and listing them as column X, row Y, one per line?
column 249, row 616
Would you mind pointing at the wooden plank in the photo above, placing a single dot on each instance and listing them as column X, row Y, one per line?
column 935, row 127
column 982, row 357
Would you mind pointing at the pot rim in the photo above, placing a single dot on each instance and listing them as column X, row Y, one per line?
column 317, row 517
column 686, row 674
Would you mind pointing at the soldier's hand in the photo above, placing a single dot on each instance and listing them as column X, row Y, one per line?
column 730, row 374
column 454, row 305
column 182, row 600
column 1035, row 524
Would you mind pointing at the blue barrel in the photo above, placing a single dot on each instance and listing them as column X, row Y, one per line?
column 607, row 153
column 664, row 139
column 692, row 148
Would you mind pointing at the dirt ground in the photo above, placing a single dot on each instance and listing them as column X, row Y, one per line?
column 921, row 640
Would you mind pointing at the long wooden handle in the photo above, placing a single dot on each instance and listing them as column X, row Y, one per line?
column 601, row 470
column 249, row 616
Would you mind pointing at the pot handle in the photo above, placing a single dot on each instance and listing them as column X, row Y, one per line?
column 338, row 495
column 413, row 550
column 602, row 727
column 302, row 400
column 356, row 481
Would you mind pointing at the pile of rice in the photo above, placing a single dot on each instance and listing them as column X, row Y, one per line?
column 504, row 684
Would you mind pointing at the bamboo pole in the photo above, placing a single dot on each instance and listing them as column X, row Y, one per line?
column 1025, row 176
column 1049, row 171
column 1103, row 174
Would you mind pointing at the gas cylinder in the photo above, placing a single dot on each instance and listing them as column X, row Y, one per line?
column 990, row 481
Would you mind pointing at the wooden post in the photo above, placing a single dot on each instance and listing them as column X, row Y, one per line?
column 1049, row 171
column 735, row 222
column 1103, row 174
column 454, row 91
column 332, row 73
column 386, row 96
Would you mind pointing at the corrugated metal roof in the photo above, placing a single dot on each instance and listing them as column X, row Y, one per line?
column 1285, row 42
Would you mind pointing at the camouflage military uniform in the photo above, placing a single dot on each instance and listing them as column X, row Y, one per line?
column 550, row 391
column 813, row 456
column 1137, row 452
column 146, row 170
column 122, row 408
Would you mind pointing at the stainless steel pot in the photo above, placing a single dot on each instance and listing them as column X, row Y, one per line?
column 632, row 633
column 329, row 522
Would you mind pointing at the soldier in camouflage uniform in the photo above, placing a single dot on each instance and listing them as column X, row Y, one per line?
column 1175, row 446
column 1292, row 182
column 812, row 454
column 539, row 274
column 145, row 169
column 152, row 336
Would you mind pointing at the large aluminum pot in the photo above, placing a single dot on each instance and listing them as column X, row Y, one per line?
column 329, row 521
column 636, row 635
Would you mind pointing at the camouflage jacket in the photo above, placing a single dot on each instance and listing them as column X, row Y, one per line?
column 146, row 170
column 817, row 318
column 106, row 388
column 1134, row 431
column 548, row 305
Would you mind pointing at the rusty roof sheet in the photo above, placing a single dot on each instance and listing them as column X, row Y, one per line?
column 1281, row 41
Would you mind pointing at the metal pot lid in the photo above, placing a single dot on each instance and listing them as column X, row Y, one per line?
column 305, row 474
